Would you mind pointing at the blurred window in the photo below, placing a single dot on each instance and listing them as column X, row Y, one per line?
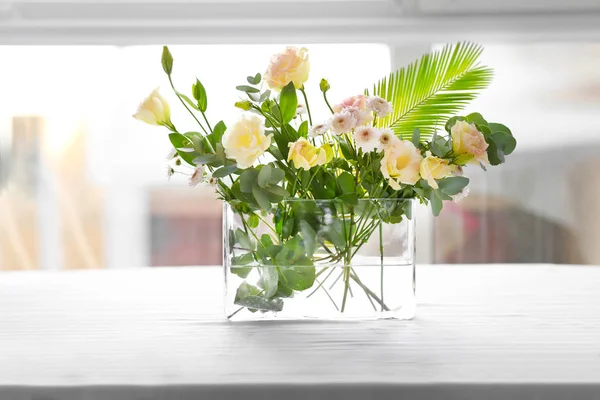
column 86, row 184
column 542, row 206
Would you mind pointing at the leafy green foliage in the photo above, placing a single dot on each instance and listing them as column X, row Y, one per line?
column 252, row 297
column 453, row 185
column 288, row 102
column 247, row 89
column 432, row 89
column 280, row 245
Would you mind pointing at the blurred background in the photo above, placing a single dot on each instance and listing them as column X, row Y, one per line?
column 84, row 185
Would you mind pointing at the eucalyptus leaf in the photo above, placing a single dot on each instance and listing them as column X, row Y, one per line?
column 291, row 252
column 276, row 176
column 253, row 221
column 278, row 191
column 436, row 202
column 416, row 137
column 453, row 185
column 248, row 179
column 247, row 89
column 264, row 176
column 346, row 182
column 225, row 171
column 242, row 272
column 250, row 297
column 309, row 237
column 268, row 281
column 244, row 240
column 205, row 159
column 260, row 303
column 299, row 277
column 261, row 198
column 264, row 96
column 476, row 119
column 244, row 259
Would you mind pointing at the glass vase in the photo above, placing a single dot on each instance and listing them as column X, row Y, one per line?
column 320, row 259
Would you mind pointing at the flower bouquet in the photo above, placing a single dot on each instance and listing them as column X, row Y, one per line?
column 319, row 215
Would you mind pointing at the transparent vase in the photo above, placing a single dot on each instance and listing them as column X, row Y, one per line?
column 320, row 259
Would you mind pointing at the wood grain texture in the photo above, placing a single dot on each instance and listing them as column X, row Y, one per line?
column 519, row 331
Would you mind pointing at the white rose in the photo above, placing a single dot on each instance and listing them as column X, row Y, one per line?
column 245, row 141
column 154, row 110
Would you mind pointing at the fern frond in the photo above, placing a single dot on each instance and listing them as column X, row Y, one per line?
column 432, row 89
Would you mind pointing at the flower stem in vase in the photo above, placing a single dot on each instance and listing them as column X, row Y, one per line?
column 381, row 260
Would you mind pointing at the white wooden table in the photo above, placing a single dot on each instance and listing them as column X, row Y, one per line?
column 481, row 332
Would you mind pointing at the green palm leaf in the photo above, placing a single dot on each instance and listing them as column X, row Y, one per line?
column 432, row 89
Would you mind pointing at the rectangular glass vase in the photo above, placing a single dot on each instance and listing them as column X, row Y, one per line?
column 320, row 259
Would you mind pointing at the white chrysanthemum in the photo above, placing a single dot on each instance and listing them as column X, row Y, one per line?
column 197, row 176
column 170, row 172
column 300, row 109
column 362, row 115
column 379, row 106
column 318, row 130
column 212, row 181
column 387, row 139
column 342, row 122
column 461, row 196
column 172, row 154
column 366, row 138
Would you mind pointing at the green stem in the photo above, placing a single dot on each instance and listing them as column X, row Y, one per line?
column 327, row 102
column 313, row 176
column 235, row 312
column 320, row 283
column 247, row 229
column 368, row 291
column 336, row 280
column 186, row 107
column 381, row 260
column 346, row 286
column 307, row 106
column 330, row 298
column 347, row 261
column 207, row 123
column 266, row 223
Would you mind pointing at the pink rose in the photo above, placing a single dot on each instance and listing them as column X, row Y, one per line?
column 359, row 102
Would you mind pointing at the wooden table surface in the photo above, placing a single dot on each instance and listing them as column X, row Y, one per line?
column 481, row 332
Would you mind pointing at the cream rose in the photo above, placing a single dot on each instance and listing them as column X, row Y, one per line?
column 154, row 110
column 305, row 156
column 466, row 139
column 290, row 66
column 401, row 163
column 433, row 168
column 245, row 141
